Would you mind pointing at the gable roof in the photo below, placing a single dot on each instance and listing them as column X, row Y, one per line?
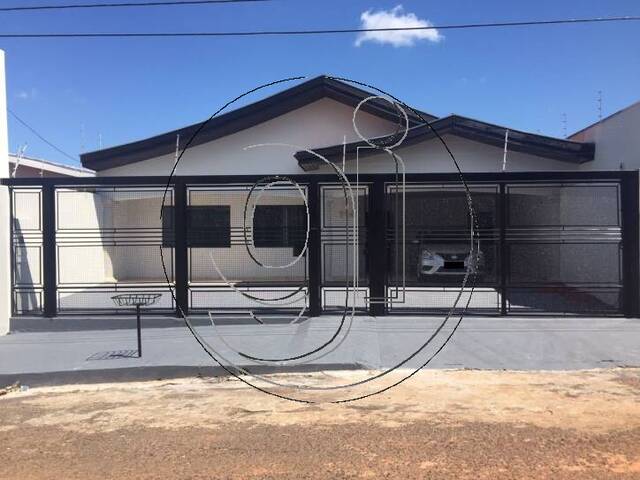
column 487, row 133
column 246, row 117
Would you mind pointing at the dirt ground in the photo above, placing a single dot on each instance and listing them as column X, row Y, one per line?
column 439, row 424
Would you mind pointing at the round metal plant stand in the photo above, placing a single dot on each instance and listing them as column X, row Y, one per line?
column 137, row 300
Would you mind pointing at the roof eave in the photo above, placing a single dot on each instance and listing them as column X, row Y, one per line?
column 243, row 118
column 474, row 130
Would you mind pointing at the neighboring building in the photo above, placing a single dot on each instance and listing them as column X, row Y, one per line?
column 617, row 140
column 35, row 167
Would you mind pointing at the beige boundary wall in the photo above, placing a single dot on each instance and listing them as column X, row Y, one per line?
column 5, row 269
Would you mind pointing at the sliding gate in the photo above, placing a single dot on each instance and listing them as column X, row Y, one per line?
column 543, row 243
column 542, row 247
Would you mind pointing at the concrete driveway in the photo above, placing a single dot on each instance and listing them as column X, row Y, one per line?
column 55, row 357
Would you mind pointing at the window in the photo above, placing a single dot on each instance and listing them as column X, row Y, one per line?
column 208, row 226
column 280, row 226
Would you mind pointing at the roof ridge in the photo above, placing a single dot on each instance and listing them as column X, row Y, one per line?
column 241, row 118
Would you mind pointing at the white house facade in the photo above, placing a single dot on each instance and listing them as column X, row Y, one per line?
column 324, row 118
column 256, row 215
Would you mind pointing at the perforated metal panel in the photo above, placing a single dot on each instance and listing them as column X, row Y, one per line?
column 564, row 248
column 429, row 273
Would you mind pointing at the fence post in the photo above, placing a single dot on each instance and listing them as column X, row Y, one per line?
column 630, row 198
column 377, row 251
column 181, row 253
column 5, row 214
column 49, row 263
column 314, row 248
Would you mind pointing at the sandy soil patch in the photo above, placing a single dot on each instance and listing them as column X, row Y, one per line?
column 440, row 424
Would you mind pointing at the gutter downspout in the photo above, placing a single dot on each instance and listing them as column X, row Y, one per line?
column 506, row 143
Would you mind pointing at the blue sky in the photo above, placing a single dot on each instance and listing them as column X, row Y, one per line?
column 127, row 89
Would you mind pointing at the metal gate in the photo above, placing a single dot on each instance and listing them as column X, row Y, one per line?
column 544, row 247
column 549, row 243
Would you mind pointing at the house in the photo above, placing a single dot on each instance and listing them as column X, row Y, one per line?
column 22, row 166
column 318, row 114
column 254, row 216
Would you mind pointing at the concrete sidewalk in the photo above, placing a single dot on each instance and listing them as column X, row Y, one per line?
column 40, row 358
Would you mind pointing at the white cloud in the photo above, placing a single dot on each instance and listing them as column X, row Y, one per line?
column 395, row 18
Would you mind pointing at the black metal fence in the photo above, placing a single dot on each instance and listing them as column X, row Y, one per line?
column 550, row 243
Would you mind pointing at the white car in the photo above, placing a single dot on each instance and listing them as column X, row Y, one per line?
column 448, row 259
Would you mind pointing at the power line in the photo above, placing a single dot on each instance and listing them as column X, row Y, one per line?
column 319, row 32
column 35, row 132
column 124, row 5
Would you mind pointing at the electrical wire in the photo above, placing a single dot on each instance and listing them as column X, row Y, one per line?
column 124, row 5
column 37, row 134
column 321, row 32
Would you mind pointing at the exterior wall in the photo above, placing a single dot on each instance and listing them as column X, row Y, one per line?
column 319, row 124
column 617, row 141
column 325, row 123
column 432, row 157
column 5, row 245
column 135, row 264
column 87, row 264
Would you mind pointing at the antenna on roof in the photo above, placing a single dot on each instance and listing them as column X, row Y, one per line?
column 599, row 105
column 19, row 157
column 564, row 125
column 99, row 141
